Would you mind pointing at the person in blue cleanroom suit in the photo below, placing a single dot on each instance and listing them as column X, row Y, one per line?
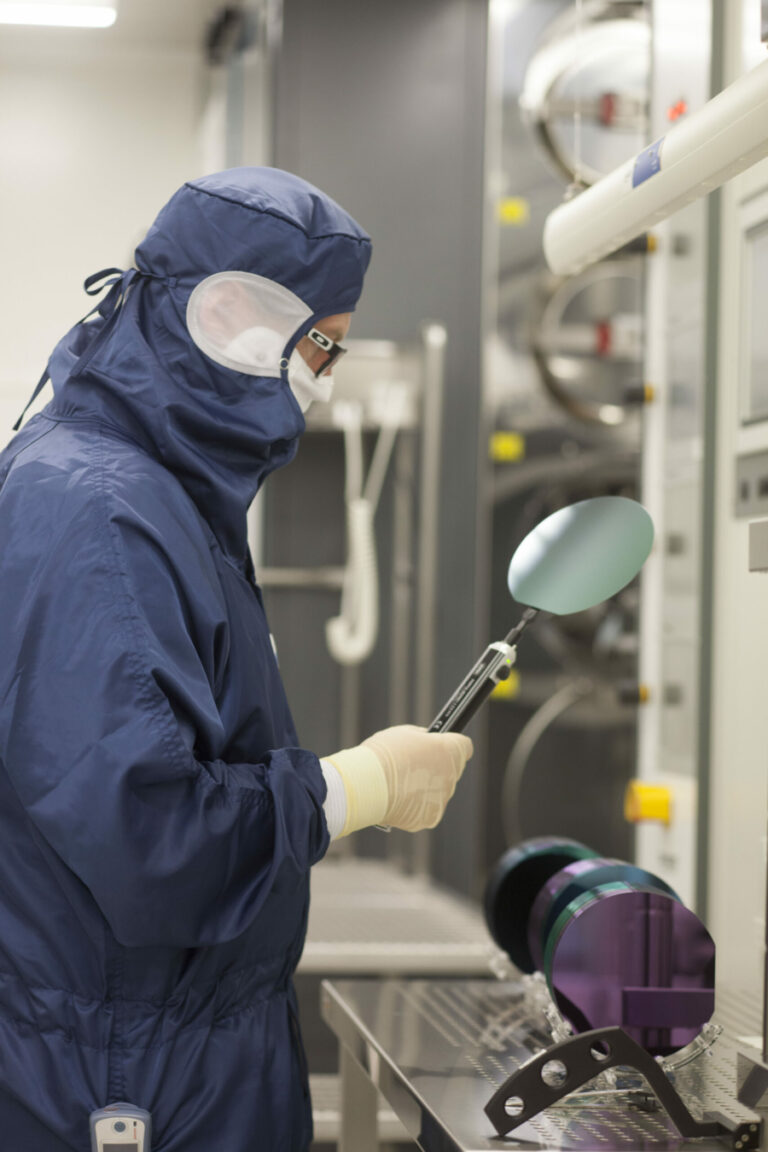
column 158, row 817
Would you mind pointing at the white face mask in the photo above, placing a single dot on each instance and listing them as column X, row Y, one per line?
column 260, row 348
column 255, row 349
column 305, row 386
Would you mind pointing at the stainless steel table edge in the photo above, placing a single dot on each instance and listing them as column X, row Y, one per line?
column 361, row 1051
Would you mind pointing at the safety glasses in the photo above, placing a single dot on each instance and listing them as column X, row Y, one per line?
column 333, row 350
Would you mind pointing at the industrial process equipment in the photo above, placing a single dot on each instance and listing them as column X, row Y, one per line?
column 697, row 155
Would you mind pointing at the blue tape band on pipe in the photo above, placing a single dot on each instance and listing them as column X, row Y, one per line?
column 647, row 163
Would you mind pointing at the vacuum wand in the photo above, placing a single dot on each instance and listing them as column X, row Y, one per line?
column 494, row 665
column 577, row 557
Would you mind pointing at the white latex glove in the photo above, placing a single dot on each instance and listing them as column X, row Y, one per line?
column 402, row 777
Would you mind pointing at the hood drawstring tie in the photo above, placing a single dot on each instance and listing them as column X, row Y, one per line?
column 117, row 282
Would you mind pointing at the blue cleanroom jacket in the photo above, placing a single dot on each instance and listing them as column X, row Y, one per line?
column 158, row 819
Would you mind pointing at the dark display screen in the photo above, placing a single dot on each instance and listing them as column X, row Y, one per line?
column 120, row 1147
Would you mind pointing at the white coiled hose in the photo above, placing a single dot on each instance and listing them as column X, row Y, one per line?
column 352, row 634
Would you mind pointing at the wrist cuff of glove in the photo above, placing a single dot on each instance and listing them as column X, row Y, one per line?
column 365, row 785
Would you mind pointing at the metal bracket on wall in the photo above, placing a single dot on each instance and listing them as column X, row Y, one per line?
column 564, row 1067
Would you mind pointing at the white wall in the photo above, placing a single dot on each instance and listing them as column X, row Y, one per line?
column 92, row 143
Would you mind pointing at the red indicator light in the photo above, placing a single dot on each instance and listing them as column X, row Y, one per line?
column 675, row 111
column 607, row 107
column 603, row 338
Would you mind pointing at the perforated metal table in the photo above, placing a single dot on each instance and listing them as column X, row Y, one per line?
column 437, row 1050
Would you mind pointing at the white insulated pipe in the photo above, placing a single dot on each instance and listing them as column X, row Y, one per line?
column 697, row 155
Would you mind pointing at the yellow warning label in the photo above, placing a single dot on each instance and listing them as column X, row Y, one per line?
column 506, row 447
column 509, row 688
column 514, row 211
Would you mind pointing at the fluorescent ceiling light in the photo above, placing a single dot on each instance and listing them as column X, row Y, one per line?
column 92, row 15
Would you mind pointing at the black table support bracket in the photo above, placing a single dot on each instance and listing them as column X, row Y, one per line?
column 536, row 1086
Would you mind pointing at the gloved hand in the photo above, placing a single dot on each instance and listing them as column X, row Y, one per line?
column 402, row 777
